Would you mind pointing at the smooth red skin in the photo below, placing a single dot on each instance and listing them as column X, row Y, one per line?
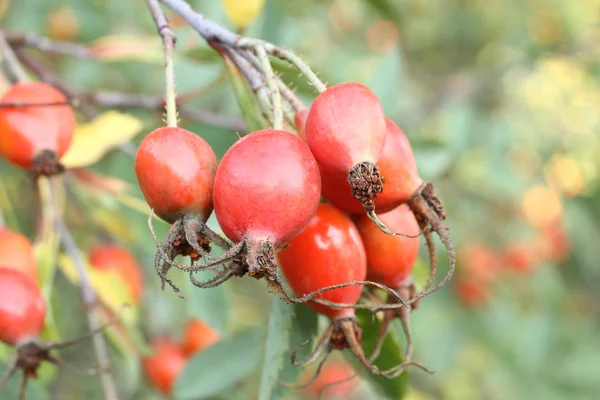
column 26, row 131
column 333, row 372
column 267, row 187
column 329, row 251
column 22, row 307
column 300, row 122
column 197, row 337
column 164, row 365
column 390, row 258
column 176, row 170
column 397, row 165
column 16, row 252
column 109, row 257
column 345, row 126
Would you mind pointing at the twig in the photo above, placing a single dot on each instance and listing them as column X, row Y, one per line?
column 89, row 299
column 261, row 53
column 115, row 99
column 47, row 45
column 213, row 32
column 11, row 61
column 168, row 39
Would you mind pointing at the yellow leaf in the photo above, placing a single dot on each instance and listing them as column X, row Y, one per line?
column 108, row 285
column 94, row 139
column 242, row 12
column 121, row 47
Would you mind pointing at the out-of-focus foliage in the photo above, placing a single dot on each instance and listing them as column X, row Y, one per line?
column 501, row 102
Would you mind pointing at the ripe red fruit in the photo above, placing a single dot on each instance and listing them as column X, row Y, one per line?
column 480, row 262
column 175, row 170
column 164, row 365
column 16, row 252
column 397, row 165
column 346, row 133
column 553, row 244
column 109, row 257
column 300, row 122
column 266, row 190
column 327, row 252
column 390, row 259
column 197, row 337
column 35, row 135
column 327, row 381
column 22, row 307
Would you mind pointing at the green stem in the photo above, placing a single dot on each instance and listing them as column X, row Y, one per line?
column 273, row 87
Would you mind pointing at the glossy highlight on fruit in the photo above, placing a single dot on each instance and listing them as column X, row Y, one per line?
column 329, row 251
column 197, row 337
column 22, row 307
column 164, row 365
column 346, row 126
column 16, row 252
column 27, row 131
column 110, row 257
column 390, row 259
column 267, row 187
column 175, row 170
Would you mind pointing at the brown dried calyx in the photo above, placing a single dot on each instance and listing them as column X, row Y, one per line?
column 366, row 183
column 46, row 163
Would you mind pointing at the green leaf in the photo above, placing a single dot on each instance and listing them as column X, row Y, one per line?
column 210, row 306
column 305, row 325
column 390, row 356
column 33, row 391
column 216, row 368
column 278, row 341
column 246, row 98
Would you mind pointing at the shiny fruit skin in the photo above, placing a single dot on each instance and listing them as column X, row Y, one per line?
column 397, row 165
column 197, row 337
column 267, row 187
column 164, row 365
column 109, row 257
column 333, row 372
column 26, row 131
column 16, row 252
column 329, row 251
column 22, row 307
column 300, row 122
column 390, row 258
column 346, row 126
column 176, row 170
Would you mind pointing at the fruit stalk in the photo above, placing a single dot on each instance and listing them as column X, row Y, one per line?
column 273, row 87
column 168, row 39
column 11, row 60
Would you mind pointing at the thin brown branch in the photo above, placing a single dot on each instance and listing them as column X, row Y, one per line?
column 10, row 60
column 49, row 46
column 89, row 299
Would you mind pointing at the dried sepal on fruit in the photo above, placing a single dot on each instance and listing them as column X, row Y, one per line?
column 22, row 315
column 175, row 170
column 329, row 252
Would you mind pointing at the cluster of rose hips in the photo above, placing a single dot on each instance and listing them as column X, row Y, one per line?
column 267, row 196
column 482, row 266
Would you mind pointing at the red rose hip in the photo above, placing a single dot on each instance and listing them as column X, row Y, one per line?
column 22, row 307
column 117, row 259
column 16, row 252
column 197, row 337
column 267, row 188
column 164, row 365
column 345, row 129
column 35, row 136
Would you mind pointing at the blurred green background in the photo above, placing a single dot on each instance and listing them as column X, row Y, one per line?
column 501, row 101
